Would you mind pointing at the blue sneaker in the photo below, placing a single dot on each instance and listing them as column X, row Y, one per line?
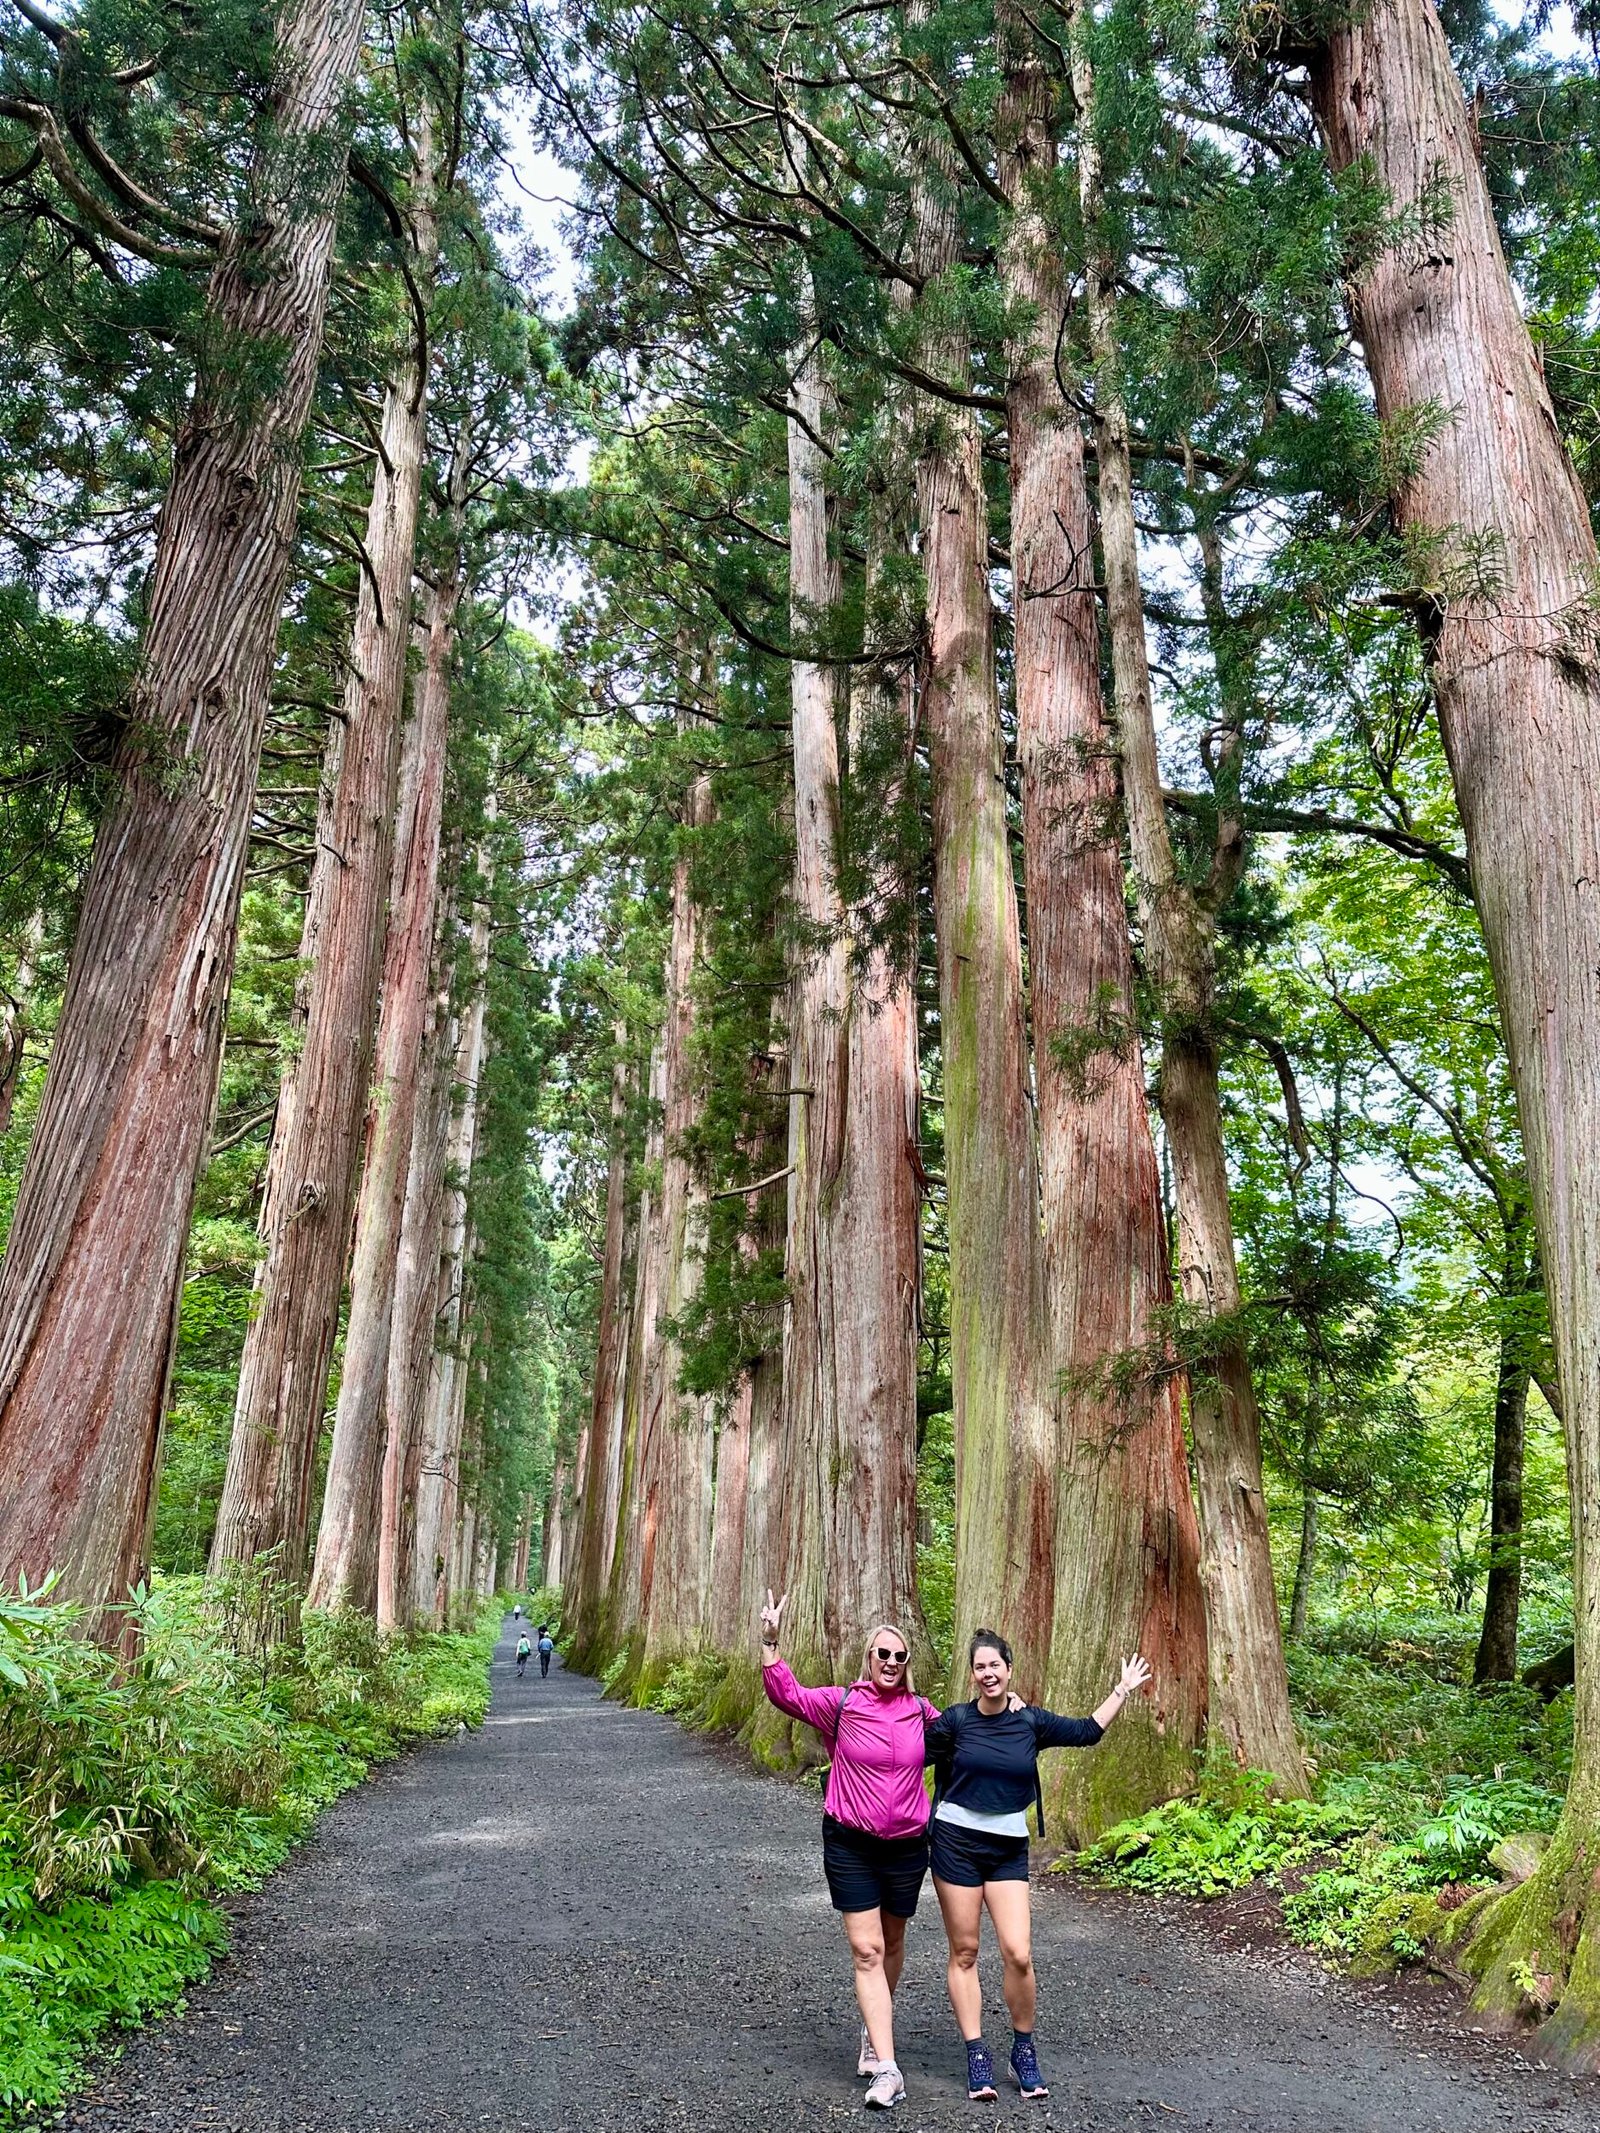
column 980, row 2073
column 1025, row 2068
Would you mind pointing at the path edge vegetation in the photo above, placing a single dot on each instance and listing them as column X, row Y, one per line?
column 136, row 1798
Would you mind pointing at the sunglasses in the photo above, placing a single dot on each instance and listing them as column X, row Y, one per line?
column 890, row 1658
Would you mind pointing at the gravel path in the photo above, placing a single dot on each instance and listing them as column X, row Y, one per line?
column 583, row 1918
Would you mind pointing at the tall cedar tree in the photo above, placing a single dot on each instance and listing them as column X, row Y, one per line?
column 94, row 1264
column 1509, row 568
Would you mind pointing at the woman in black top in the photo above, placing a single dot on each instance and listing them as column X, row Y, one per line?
column 988, row 1762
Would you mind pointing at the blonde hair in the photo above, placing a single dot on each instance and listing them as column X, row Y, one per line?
column 873, row 1635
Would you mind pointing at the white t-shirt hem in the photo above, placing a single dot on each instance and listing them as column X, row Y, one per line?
column 1012, row 1825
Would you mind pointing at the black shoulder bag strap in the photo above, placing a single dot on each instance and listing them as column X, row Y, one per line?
column 943, row 1763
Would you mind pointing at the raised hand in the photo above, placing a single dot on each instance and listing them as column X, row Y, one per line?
column 1135, row 1675
column 771, row 1616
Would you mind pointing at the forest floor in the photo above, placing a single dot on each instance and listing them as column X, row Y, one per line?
column 583, row 1917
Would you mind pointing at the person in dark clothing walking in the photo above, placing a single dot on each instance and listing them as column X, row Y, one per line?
column 986, row 1759
column 547, row 1645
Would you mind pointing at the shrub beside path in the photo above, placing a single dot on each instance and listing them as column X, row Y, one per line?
column 584, row 1918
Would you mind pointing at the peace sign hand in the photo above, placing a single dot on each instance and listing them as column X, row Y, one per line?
column 771, row 1616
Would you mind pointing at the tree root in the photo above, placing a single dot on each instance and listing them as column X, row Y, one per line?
column 1532, row 1952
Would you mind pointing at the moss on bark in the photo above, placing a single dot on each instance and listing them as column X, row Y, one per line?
column 1534, row 1950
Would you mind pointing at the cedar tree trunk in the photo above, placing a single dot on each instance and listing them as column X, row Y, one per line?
column 416, row 1297
column 1126, row 1544
column 848, row 1460
column 1300, row 1602
column 1511, row 634
column 1005, row 1495
column 439, row 1449
column 602, row 1467
column 316, row 1140
column 676, row 1432
column 345, row 1572
column 93, row 1270
column 1249, row 1717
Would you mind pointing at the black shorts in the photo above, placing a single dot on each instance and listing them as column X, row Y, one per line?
column 970, row 1857
column 867, row 1873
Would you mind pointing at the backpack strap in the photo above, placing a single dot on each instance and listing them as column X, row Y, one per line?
column 839, row 1715
column 943, row 1763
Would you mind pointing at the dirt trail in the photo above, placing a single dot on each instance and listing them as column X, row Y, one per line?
column 583, row 1918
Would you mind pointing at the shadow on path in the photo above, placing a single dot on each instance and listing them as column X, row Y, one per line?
column 583, row 1918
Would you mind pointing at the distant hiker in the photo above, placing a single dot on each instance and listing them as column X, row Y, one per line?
column 986, row 1756
column 547, row 1645
column 516, row 1613
column 524, row 1649
column 874, row 1822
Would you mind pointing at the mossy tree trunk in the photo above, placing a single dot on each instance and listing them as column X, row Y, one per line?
column 439, row 1444
column 676, row 1433
column 847, row 1461
column 93, row 1269
column 1249, row 1717
column 1002, row 1404
column 357, row 1537
column 1126, row 1545
column 1511, row 638
column 316, row 1139
column 416, row 1303
column 597, row 1524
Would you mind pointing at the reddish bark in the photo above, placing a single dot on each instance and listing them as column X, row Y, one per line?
column 726, row 1630
column 316, row 1140
column 553, row 1552
column 94, row 1266
column 1249, row 1716
column 602, row 1475
column 416, row 1295
column 438, row 1458
column 677, row 1432
column 623, row 1583
column 1125, row 1541
column 1511, row 636
column 366, row 1431
column 1000, row 1380
column 744, row 1545
column 848, row 1457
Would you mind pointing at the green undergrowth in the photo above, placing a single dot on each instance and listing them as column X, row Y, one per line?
column 132, row 1798
column 1418, row 1777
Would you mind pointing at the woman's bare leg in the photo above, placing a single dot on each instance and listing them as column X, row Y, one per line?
column 894, row 1948
column 963, row 1915
column 874, row 1995
column 1013, row 1928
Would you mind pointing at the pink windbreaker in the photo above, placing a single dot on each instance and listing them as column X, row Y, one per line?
column 876, row 1741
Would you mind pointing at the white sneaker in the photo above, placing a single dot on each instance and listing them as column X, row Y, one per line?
column 887, row 2088
column 867, row 2060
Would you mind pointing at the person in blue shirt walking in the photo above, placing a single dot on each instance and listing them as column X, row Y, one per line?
column 986, row 1761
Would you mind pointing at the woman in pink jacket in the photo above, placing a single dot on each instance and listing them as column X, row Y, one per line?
column 874, row 1820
